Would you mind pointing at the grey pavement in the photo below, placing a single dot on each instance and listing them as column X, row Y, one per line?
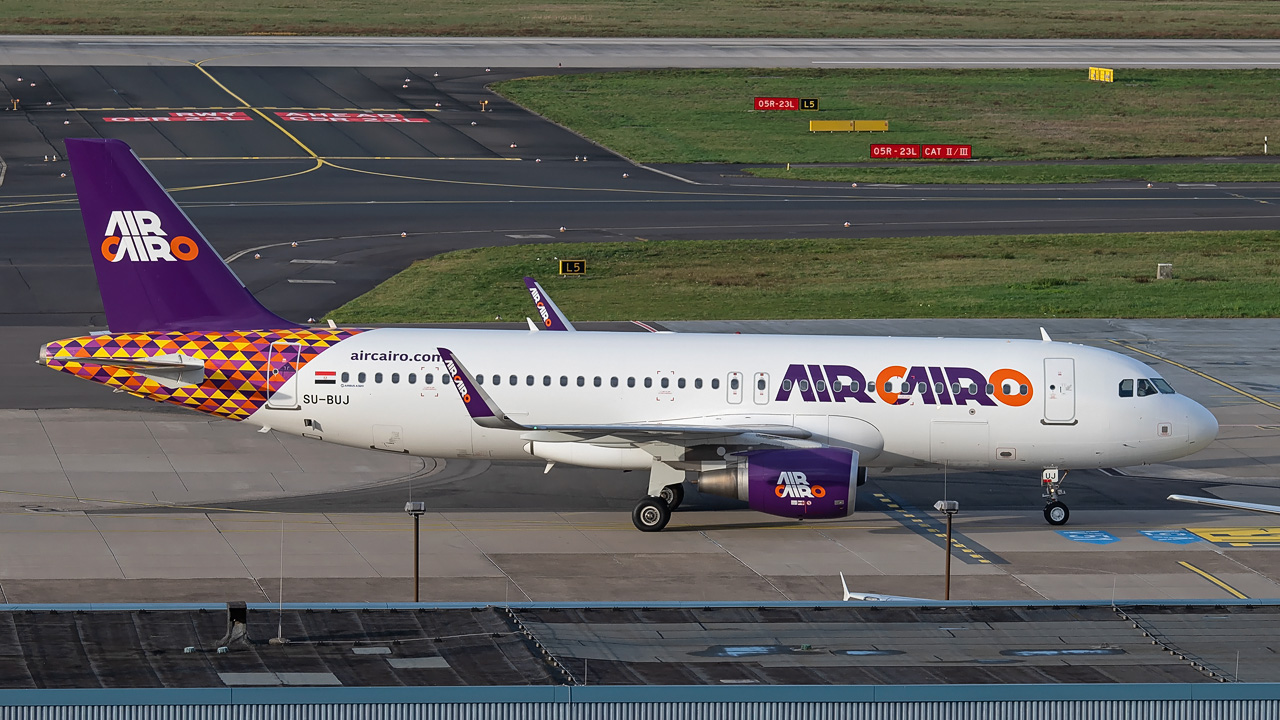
column 632, row 52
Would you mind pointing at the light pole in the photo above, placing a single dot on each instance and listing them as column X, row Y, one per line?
column 416, row 509
column 950, row 507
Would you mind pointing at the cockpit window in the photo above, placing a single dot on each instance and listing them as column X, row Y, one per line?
column 1126, row 388
column 1145, row 388
column 1163, row 386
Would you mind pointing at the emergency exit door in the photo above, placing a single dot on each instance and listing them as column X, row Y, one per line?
column 1059, row 390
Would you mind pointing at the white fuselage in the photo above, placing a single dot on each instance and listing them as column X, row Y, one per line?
column 1071, row 414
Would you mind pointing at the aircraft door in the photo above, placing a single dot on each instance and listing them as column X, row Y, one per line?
column 283, row 362
column 1059, row 390
column 733, row 385
column 761, row 385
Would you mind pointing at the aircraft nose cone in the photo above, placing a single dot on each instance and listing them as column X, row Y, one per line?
column 1202, row 425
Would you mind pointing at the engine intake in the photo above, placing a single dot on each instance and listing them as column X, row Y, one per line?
column 817, row 483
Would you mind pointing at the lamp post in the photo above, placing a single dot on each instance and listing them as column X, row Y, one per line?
column 416, row 509
column 950, row 507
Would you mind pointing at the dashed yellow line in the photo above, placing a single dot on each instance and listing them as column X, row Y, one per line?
column 1234, row 592
column 1193, row 371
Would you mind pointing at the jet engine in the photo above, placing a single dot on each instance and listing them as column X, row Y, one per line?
column 803, row 483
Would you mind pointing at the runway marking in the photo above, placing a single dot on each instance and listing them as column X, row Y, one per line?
column 314, row 262
column 3, row 168
column 935, row 531
column 329, row 157
column 264, row 107
column 1233, row 537
column 1236, row 593
column 1193, row 371
column 301, row 281
column 260, row 113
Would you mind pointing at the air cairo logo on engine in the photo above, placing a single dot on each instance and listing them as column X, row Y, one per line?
column 137, row 235
column 796, row 485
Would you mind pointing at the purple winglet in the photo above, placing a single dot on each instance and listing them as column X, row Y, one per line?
column 551, row 317
column 482, row 409
column 155, row 270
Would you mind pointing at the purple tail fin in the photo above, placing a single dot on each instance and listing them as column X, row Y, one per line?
column 155, row 271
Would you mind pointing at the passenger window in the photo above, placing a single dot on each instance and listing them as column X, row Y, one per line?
column 479, row 379
column 497, row 379
column 680, row 383
column 346, row 377
column 648, row 382
column 1163, row 386
column 991, row 389
column 715, row 383
column 377, row 377
column 613, row 382
column 596, row 381
column 631, row 382
column 666, row 382
column 1023, row 389
column 955, row 388
column 429, row 379
column 1126, row 388
column 888, row 387
column 786, row 385
column 513, row 380
column 1007, row 389
column 820, row 385
column 1145, row 388
column 413, row 378
column 395, row 378
column 360, row 378
column 804, row 386
column 581, row 381
column 922, row 387
column 528, row 380
column 697, row 383
column 855, row 386
column 760, row 384
column 836, row 386
column 564, row 381
column 939, row 387
column 733, row 384
column 546, row 380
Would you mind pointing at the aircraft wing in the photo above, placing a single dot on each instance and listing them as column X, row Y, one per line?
column 486, row 413
column 549, row 315
column 1227, row 504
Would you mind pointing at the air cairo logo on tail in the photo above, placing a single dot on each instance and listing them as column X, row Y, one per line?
column 458, row 382
column 542, row 309
column 796, row 485
column 137, row 235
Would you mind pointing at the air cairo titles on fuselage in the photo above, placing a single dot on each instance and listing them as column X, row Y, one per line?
column 897, row 384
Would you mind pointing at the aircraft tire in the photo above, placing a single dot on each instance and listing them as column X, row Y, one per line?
column 651, row 515
column 1056, row 513
column 672, row 495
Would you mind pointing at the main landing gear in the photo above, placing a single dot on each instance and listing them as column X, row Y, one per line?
column 653, row 513
column 1055, row 511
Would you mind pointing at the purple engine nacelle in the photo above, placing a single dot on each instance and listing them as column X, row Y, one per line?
column 817, row 483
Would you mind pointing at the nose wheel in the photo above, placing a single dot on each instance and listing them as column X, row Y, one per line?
column 651, row 514
column 1055, row 511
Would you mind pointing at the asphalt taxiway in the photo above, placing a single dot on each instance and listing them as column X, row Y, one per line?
column 277, row 158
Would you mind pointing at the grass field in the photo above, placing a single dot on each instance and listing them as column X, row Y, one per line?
column 706, row 115
column 654, row 18
column 910, row 174
column 1218, row 274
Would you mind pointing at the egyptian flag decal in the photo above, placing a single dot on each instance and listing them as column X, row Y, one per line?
column 326, row 377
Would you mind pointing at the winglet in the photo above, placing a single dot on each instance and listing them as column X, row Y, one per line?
column 552, row 318
column 483, row 410
column 1044, row 335
column 845, row 585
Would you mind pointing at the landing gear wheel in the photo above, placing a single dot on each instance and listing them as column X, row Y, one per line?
column 651, row 515
column 1056, row 513
column 672, row 495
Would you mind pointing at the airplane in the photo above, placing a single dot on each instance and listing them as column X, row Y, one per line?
column 789, row 424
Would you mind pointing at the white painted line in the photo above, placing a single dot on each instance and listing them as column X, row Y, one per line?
column 670, row 175
column 531, row 237
column 314, row 262
column 3, row 169
column 299, row 281
column 1196, row 185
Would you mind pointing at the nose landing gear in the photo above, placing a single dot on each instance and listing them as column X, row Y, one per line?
column 1055, row 511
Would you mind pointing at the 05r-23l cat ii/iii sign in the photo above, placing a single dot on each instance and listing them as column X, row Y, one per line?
column 787, row 424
